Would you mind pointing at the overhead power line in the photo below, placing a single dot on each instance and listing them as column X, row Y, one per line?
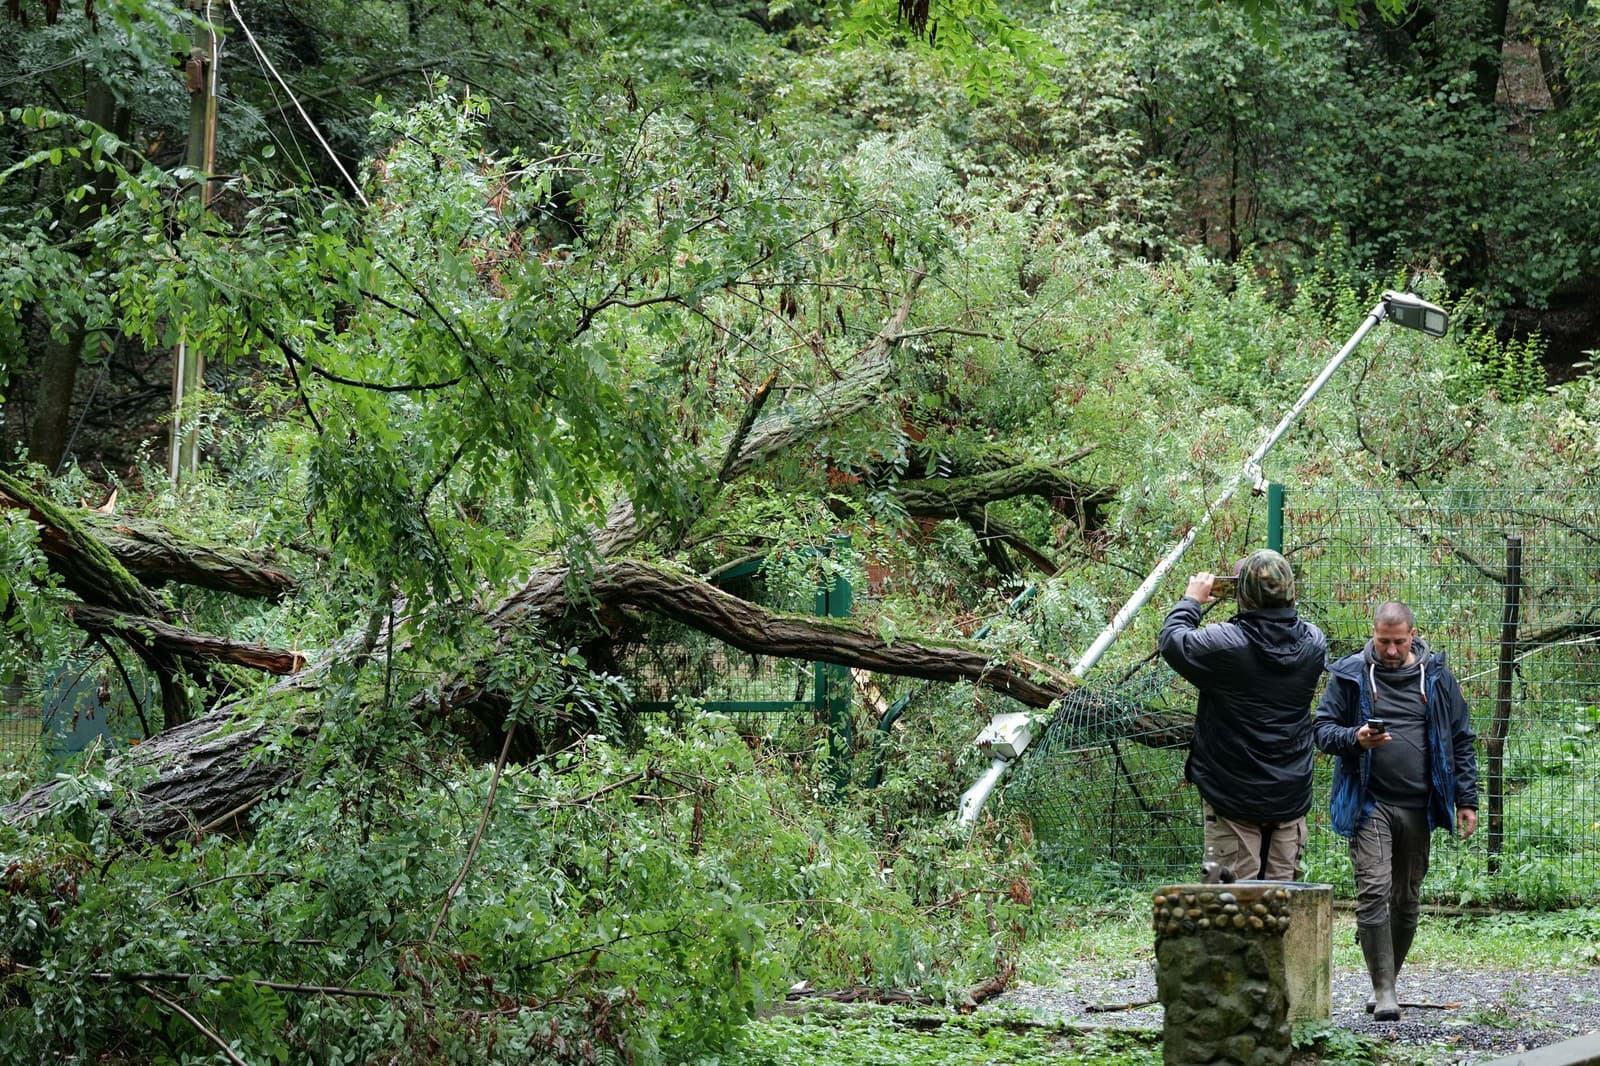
column 266, row 61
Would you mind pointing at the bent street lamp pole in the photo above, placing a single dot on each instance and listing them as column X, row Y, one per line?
column 1401, row 308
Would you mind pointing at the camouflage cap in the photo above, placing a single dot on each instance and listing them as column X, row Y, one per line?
column 1265, row 580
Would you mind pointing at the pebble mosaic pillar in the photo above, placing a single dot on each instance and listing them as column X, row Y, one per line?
column 1220, row 974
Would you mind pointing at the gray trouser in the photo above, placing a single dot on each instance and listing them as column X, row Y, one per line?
column 1255, row 851
column 1389, row 852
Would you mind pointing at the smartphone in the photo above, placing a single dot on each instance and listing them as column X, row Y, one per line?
column 1377, row 725
column 1223, row 586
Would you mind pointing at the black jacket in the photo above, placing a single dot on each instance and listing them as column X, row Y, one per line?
column 1251, row 753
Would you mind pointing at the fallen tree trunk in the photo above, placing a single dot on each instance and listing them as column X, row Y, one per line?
column 154, row 555
column 206, row 774
column 88, row 569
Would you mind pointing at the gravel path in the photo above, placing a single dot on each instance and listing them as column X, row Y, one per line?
column 1465, row 1016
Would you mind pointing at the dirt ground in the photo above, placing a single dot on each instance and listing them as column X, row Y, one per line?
column 1451, row 1015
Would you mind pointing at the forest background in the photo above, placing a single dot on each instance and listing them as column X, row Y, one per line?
column 522, row 323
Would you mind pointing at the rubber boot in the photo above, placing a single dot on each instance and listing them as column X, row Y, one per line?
column 1402, row 932
column 1377, row 946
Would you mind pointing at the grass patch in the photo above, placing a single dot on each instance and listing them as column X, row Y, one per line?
column 888, row 1037
column 1111, row 934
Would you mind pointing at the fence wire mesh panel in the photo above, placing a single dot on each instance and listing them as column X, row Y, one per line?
column 1507, row 584
column 784, row 704
column 1104, row 784
column 19, row 726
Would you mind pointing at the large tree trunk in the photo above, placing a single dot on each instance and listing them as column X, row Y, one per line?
column 209, row 768
column 205, row 776
column 58, row 363
column 52, row 402
column 154, row 554
column 1486, row 68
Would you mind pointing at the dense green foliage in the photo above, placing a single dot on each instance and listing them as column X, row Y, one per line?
column 639, row 903
column 582, row 242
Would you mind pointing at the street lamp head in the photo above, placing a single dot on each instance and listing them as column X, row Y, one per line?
column 1413, row 312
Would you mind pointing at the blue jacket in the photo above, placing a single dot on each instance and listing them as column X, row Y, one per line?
column 1347, row 703
column 1257, row 674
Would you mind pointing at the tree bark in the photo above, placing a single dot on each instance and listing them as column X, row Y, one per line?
column 151, row 638
column 60, row 359
column 52, row 403
column 154, row 554
column 208, row 768
column 208, row 773
column 956, row 497
column 91, row 573
column 1486, row 68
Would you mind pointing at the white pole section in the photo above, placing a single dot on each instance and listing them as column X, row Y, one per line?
column 973, row 799
column 1251, row 468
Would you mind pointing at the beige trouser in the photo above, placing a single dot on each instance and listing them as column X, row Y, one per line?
column 1255, row 851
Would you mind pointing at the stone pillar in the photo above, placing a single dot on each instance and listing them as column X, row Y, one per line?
column 1220, row 974
column 1308, row 952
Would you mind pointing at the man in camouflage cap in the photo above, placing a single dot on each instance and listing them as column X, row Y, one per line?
column 1265, row 579
column 1250, row 757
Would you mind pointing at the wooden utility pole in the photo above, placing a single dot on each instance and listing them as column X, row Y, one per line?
column 188, row 366
column 1500, row 724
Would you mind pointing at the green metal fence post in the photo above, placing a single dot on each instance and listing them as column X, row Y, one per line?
column 833, row 681
column 1275, row 516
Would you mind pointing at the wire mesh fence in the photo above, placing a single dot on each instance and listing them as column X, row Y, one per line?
column 1506, row 583
column 786, row 705
column 19, row 725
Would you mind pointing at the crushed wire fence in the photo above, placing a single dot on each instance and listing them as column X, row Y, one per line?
column 1506, row 583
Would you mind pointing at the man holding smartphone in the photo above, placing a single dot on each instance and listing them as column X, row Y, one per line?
column 1394, row 715
column 1251, row 754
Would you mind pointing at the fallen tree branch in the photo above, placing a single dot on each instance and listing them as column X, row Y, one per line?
column 752, row 410
column 955, row 496
column 199, row 1026
column 985, row 990
column 149, row 637
column 205, row 772
column 477, row 837
column 155, row 554
column 89, row 570
column 751, row 628
column 863, row 994
column 1132, row 1004
column 168, row 977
